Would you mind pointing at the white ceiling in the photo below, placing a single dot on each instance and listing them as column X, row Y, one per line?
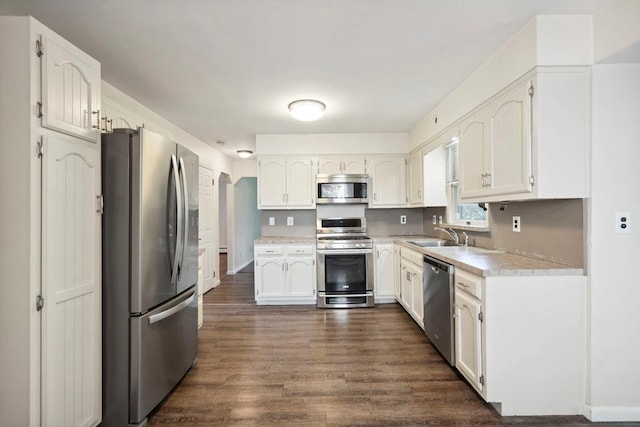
column 226, row 69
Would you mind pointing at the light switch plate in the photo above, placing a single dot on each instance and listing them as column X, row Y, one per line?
column 272, row 220
column 435, row 219
column 623, row 222
column 289, row 220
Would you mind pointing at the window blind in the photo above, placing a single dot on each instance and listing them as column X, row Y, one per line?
column 452, row 162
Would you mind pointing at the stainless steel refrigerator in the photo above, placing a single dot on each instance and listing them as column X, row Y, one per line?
column 150, row 271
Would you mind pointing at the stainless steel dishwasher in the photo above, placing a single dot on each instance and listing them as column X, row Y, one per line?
column 438, row 305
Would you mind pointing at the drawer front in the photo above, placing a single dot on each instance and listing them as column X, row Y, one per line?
column 469, row 283
column 269, row 250
column 299, row 250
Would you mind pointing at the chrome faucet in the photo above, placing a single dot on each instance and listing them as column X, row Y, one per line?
column 466, row 238
column 451, row 232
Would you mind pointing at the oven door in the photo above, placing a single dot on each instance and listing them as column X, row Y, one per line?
column 345, row 278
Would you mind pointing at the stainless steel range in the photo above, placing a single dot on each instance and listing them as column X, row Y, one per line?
column 345, row 263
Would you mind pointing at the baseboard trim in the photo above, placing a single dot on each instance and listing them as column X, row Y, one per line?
column 234, row 271
column 612, row 413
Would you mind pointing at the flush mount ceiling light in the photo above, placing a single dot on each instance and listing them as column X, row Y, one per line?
column 245, row 154
column 307, row 110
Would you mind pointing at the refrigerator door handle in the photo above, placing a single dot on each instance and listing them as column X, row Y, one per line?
column 180, row 231
column 185, row 195
column 171, row 311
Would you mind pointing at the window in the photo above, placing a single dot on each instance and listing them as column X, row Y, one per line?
column 458, row 212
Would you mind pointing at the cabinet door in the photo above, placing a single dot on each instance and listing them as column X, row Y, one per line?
column 354, row 165
column 417, row 307
column 468, row 336
column 330, row 165
column 300, row 179
column 71, row 283
column 473, row 160
column 300, row 280
column 384, row 284
column 397, row 288
column 405, row 285
column 116, row 118
column 415, row 182
column 388, row 182
column 269, row 277
column 510, row 140
column 70, row 90
column 271, row 182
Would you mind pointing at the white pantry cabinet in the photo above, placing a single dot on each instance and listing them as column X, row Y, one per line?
column 385, row 279
column 50, row 317
column 411, row 284
column 530, row 141
column 285, row 273
column 342, row 165
column 286, row 182
column 518, row 347
column 388, row 181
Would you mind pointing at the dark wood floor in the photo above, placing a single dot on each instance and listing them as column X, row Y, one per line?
column 262, row 365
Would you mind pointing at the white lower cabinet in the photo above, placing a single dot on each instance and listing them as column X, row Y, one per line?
column 411, row 284
column 384, row 284
column 285, row 274
column 519, row 341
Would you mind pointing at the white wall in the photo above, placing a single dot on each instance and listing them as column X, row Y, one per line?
column 614, row 348
column 332, row 143
column 247, row 226
column 616, row 32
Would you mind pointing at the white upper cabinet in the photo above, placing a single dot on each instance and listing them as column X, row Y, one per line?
column 70, row 90
column 388, row 181
column 286, row 183
column 114, row 117
column 435, row 177
column 341, row 165
column 530, row 141
column 415, row 179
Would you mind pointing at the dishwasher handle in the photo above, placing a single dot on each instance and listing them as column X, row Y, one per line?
column 436, row 264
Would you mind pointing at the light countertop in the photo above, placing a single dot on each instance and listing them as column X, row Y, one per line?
column 275, row 240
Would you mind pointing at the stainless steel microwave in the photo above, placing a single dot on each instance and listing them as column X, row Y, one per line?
column 343, row 189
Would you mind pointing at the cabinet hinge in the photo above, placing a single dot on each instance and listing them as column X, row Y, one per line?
column 481, row 317
column 532, row 180
column 40, row 149
column 406, row 162
column 39, row 109
column 213, row 182
column 531, row 90
column 39, row 303
column 39, row 49
column 100, row 208
column 214, row 274
column 482, row 379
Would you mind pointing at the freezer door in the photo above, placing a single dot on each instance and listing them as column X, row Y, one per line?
column 155, row 200
column 164, row 345
column 189, row 169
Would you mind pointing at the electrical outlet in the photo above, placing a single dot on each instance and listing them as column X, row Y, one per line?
column 435, row 219
column 623, row 222
column 403, row 219
column 289, row 220
column 516, row 224
column 272, row 220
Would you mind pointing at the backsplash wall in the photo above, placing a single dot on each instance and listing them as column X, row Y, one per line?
column 386, row 222
column 304, row 223
column 550, row 229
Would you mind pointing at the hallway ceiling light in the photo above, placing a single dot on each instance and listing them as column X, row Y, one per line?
column 245, row 154
column 307, row 110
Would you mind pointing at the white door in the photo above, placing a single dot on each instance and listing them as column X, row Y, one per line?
column 388, row 180
column 70, row 90
column 300, row 183
column 473, row 163
column 300, row 276
column 271, row 182
column 384, row 284
column 330, row 165
column 205, row 229
column 415, row 179
column 71, row 283
column 354, row 165
column 269, row 277
column 417, row 306
column 468, row 337
column 405, row 285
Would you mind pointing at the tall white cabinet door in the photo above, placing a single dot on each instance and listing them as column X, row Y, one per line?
column 510, row 130
column 272, row 182
column 205, row 229
column 388, row 179
column 468, row 337
column 70, row 90
column 300, row 280
column 473, row 157
column 300, row 177
column 71, row 283
column 269, row 277
column 417, row 307
column 415, row 183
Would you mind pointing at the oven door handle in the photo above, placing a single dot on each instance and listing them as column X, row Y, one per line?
column 323, row 295
column 345, row 251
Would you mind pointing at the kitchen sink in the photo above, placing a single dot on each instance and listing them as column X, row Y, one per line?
column 432, row 243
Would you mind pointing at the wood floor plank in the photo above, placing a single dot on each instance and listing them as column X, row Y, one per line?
column 304, row 366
